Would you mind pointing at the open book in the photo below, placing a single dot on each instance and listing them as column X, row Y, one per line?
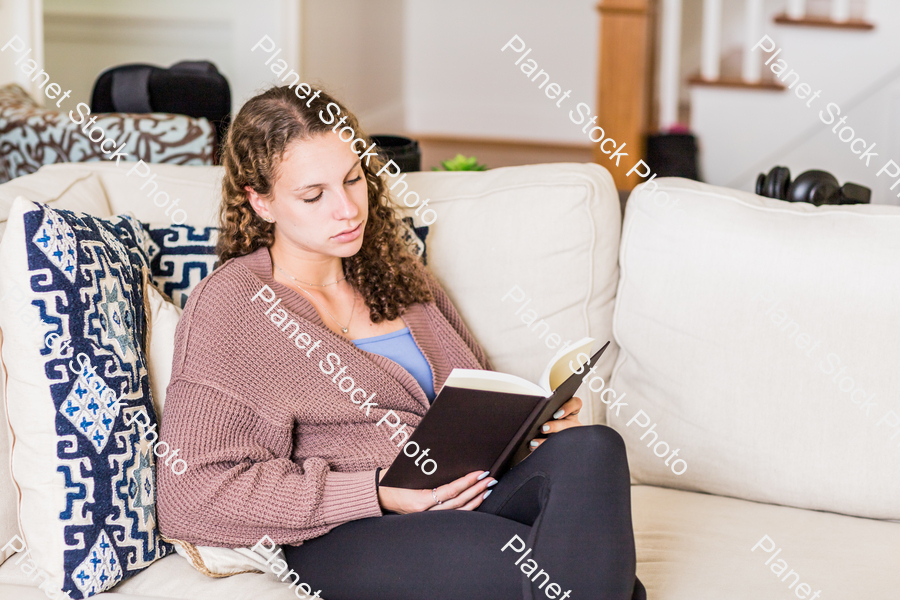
column 484, row 420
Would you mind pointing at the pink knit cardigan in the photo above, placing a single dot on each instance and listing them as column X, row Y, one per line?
column 273, row 446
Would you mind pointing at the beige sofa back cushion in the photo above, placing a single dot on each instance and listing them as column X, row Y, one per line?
column 760, row 339
column 197, row 189
column 72, row 188
column 526, row 253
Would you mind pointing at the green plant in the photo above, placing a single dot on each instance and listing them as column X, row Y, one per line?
column 461, row 163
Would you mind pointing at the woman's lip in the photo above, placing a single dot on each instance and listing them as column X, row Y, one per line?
column 350, row 235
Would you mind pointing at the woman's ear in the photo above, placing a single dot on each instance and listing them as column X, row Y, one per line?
column 258, row 203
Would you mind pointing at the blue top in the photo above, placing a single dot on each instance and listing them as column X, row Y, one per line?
column 401, row 348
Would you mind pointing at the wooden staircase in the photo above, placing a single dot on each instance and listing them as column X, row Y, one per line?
column 642, row 83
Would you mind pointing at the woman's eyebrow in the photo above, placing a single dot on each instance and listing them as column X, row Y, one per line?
column 314, row 185
column 356, row 163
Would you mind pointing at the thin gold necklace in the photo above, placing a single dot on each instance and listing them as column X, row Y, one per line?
column 314, row 284
column 352, row 308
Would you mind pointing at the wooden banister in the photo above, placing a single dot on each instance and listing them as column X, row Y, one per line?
column 785, row 19
column 624, row 82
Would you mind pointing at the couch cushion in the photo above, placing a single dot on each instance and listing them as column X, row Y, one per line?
column 759, row 338
column 32, row 136
column 163, row 317
column 698, row 547
column 539, row 240
column 197, row 189
column 72, row 189
column 86, row 473
column 689, row 547
column 172, row 578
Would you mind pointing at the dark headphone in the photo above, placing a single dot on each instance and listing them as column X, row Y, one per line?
column 815, row 187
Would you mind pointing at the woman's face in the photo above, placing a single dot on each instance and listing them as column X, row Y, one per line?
column 319, row 201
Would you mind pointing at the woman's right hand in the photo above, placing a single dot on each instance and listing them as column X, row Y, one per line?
column 466, row 493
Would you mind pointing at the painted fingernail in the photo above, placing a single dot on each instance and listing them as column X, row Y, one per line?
column 545, row 428
column 493, row 483
column 559, row 413
column 486, row 494
column 534, row 444
column 483, row 475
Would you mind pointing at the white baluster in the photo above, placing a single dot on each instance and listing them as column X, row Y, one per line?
column 840, row 10
column 753, row 17
column 712, row 39
column 796, row 9
column 670, row 64
column 25, row 19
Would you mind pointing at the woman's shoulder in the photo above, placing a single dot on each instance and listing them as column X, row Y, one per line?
column 214, row 328
column 232, row 283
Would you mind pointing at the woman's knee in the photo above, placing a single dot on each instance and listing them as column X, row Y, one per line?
column 597, row 439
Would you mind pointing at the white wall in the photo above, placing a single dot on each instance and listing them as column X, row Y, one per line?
column 250, row 21
column 744, row 132
column 417, row 66
column 21, row 18
column 83, row 38
column 354, row 49
column 432, row 67
column 459, row 83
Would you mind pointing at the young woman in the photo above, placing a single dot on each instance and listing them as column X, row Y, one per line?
column 314, row 278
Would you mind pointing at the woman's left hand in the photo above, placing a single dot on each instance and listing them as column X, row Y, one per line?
column 565, row 417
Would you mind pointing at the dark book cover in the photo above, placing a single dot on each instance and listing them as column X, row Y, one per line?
column 469, row 430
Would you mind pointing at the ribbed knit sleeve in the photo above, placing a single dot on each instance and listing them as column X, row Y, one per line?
column 241, row 484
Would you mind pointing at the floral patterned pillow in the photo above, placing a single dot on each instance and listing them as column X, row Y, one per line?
column 31, row 137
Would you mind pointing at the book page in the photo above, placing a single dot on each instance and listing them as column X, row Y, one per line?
column 560, row 369
column 492, row 381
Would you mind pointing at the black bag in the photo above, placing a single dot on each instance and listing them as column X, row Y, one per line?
column 673, row 155
column 192, row 88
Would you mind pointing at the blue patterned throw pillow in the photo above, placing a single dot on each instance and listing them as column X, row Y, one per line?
column 82, row 460
column 414, row 237
column 180, row 257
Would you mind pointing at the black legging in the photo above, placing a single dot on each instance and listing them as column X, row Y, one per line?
column 570, row 501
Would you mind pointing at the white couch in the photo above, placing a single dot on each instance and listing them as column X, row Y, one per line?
column 773, row 445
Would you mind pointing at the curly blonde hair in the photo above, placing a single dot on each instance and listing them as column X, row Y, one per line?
column 385, row 273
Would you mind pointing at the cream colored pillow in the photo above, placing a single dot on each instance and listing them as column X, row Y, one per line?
column 759, row 338
column 73, row 190
column 151, row 191
column 164, row 318
column 70, row 189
